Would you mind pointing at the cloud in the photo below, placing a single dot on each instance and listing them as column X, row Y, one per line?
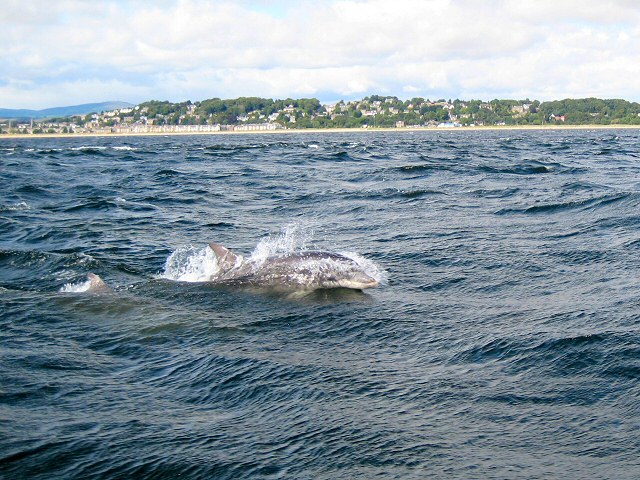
column 73, row 51
column 68, row 92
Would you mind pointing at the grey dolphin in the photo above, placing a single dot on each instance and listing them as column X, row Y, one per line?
column 309, row 270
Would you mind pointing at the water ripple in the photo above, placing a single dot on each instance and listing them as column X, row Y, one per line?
column 504, row 344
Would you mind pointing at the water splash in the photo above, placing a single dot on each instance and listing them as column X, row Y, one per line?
column 79, row 287
column 369, row 267
column 16, row 206
column 293, row 237
column 195, row 264
column 199, row 264
column 191, row 264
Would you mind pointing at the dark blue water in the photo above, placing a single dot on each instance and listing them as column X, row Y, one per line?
column 504, row 344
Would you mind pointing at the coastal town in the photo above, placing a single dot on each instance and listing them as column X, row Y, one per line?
column 246, row 114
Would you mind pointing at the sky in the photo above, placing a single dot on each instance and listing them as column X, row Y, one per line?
column 68, row 52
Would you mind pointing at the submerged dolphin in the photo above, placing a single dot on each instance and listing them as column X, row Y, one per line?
column 309, row 270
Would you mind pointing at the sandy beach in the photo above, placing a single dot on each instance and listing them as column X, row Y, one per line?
column 326, row 130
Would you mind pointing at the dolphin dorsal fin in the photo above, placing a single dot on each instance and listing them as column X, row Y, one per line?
column 96, row 284
column 225, row 257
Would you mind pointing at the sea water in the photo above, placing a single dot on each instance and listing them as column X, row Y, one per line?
column 504, row 341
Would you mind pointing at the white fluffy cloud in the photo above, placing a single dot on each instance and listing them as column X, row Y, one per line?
column 72, row 51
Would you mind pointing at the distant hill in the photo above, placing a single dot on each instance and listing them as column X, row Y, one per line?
column 15, row 114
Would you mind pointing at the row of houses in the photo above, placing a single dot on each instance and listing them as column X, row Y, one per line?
column 150, row 128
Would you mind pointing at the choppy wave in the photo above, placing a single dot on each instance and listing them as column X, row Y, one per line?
column 503, row 343
column 16, row 206
column 588, row 203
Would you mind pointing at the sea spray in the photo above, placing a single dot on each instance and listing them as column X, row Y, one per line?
column 191, row 264
column 79, row 287
column 293, row 237
column 369, row 267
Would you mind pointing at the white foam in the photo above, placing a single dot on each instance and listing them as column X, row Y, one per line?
column 369, row 267
column 124, row 147
column 16, row 206
column 76, row 287
column 191, row 264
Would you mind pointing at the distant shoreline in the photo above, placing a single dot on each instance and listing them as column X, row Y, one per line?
column 14, row 136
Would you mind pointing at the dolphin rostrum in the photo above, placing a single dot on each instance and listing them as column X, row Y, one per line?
column 308, row 270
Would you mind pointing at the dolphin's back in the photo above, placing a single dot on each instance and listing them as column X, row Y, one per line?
column 310, row 269
column 308, row 256
column 307, row 270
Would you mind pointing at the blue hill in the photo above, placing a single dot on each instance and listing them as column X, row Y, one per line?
column 9, row 113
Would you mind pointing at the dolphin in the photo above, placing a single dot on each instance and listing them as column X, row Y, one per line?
column 307, row 270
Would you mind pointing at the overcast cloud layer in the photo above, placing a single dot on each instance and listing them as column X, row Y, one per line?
column 73, row 51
